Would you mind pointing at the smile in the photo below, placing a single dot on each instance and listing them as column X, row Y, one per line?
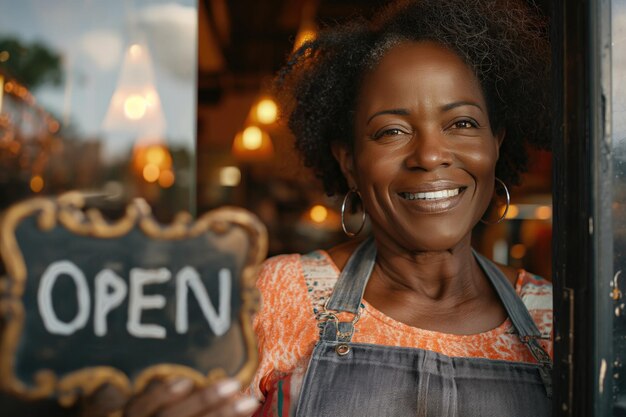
column 431, row 195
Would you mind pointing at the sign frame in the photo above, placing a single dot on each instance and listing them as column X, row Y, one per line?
column 67, row 211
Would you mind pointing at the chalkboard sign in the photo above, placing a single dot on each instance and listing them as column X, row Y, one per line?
column 88, row 301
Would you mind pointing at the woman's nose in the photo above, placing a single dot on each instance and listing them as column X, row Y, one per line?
column 428, row 151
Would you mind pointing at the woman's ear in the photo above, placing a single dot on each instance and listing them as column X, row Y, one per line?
column 344, row 157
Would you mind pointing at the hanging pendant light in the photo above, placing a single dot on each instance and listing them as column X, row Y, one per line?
column 135, row 106
column 253, row 144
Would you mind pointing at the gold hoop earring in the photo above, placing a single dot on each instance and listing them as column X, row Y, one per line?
column 343, row 211
column 508, row 203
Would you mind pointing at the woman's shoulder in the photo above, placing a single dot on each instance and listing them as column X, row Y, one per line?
column 290, row 269
column 525, row 282
column 535, row 291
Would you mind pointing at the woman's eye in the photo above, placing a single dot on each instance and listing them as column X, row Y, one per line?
column 388, row 133
column 465, row 124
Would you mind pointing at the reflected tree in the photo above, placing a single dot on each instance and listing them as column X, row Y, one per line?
column 32, row 64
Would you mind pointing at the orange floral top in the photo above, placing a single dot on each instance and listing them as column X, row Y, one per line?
column 294, row 289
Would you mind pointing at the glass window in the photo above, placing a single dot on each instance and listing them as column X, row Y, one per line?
column 99, row 96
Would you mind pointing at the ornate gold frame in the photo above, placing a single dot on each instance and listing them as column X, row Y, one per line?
column 67, row 211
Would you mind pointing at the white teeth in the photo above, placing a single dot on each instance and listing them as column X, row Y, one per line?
column 432, row 195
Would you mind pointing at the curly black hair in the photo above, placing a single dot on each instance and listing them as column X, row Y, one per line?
column 505, row 42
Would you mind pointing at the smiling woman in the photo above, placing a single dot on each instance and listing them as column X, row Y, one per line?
column 422, row 127
column 417, row 115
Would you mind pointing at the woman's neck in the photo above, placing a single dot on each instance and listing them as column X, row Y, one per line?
column 451, row 274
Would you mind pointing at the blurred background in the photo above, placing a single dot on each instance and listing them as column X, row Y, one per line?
column 169, row 100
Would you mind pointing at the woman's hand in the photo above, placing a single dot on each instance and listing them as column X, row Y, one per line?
column 177, row 398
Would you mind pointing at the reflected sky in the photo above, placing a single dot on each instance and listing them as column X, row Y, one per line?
column 93, row 37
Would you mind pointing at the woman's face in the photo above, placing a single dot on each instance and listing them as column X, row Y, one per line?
column 424, row 154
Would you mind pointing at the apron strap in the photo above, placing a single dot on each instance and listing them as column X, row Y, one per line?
column 348, row 293
column 520, row 317
column 513, row 304
column 350, row 287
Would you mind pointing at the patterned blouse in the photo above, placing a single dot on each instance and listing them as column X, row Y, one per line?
column 294, row 289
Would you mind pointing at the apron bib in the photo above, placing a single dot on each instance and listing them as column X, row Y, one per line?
column 346, row 379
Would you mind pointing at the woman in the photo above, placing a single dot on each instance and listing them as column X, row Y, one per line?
column 415, row 118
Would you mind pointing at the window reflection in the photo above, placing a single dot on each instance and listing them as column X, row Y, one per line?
column 100, row 97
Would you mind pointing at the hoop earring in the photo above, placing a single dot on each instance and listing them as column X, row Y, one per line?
column 508, row 203
column 343, row 211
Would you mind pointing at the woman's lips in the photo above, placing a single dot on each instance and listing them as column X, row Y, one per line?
column 435, row 201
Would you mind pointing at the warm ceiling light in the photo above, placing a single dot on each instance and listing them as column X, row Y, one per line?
column 4, row 56
column 166, row 178
column 230, row 176
column 266, row 111
column 135, row 50
column 151, row 173
column 252, row 138
column 253, row 144
column 156, row 155
column 135, row 107
column 318, row 213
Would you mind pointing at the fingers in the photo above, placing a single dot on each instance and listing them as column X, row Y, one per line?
column 104, row 401
column 220, row 400
column 159, row 395
column 241, row 407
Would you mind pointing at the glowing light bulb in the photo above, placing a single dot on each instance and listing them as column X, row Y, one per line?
column 155, row 155
column 318, row 213
column 166, row 178
column 151, row 172
column 266, row 111
column 135, row 50
column 230, row 176
column 252, row 138
column 135, row 107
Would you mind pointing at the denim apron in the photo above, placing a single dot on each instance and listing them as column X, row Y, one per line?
column 346, row 379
